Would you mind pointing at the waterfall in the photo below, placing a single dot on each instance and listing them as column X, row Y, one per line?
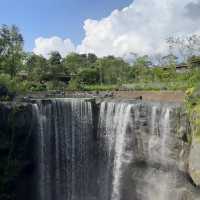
column 160, row 133
column 160, row 182
column 128, row 152
column 65, row 129
column 114, row 120
column 154, row 138
column 122, row 117
column 165, row 131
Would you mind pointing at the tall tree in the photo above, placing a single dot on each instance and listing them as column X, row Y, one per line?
column 55, row 64
column 141, row 66
column 75, row 62
column 36, row 66
column 92, row 58
column 184, row 47
column 11, row 49
column 112, row 70
column 55, row 58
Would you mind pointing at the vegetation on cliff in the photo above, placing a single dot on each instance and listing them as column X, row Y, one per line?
column 192, row 103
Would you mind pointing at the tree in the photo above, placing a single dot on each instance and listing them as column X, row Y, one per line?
column 89, row 76
column 112, row 70
column 11, row 49
column 141, row 67
column 169, row 60
column 185, row 47
column 36, row 66
column 55, row 58
column 73, row 62
column 92, row 58
column 55, row 64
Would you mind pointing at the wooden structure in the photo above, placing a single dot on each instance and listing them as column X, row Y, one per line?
column 182, row 68
column 195, row 62
column 23, row 75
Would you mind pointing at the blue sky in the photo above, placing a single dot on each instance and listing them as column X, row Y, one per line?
column 47, row 18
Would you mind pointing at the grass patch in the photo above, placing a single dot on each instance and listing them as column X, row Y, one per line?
column 100, row 87
column 157, row 86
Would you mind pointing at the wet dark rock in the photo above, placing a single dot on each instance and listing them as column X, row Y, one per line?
column 16, row 148
column 5, row 94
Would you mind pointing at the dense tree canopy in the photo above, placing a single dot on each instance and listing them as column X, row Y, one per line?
column 36, row 67
column 28, row 71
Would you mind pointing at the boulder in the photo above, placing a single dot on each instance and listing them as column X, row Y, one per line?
column 194, row 162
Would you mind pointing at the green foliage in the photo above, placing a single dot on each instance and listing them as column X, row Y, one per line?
column 23, row 72
column 89, row 76
column 73, row 62
column 74, row 85
column 156, row 86
column 11, row 49
column 192, row 102
column 37, row 67
column 112, row 70
column 140, row 68
column 54, row 85
column 8, row 82
column 55, row 58
column 100, row 88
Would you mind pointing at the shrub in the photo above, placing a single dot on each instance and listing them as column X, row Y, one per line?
column 99, row 87
column 74, row 84
column 36, row 87
column 89, row 76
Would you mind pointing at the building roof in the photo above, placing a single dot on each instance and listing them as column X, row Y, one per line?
column 22, row 73
column 182, row 65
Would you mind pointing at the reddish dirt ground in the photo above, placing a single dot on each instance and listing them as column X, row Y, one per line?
column 161, row 96
column 169, row 96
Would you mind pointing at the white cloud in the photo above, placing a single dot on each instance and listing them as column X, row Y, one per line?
column 141, row 28
column 44, row 46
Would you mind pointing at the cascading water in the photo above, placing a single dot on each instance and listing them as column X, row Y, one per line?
column 139, row 142
column 65, row 132
column 160, row 133
column 114, row 119
column 158, row 152
column 130, row 153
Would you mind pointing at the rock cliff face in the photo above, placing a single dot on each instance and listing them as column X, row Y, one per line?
column 194, row 163
column 17, row 162
column 149, row 151
column 66, row 149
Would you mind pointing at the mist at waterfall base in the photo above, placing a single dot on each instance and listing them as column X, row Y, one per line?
column 119, row 151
